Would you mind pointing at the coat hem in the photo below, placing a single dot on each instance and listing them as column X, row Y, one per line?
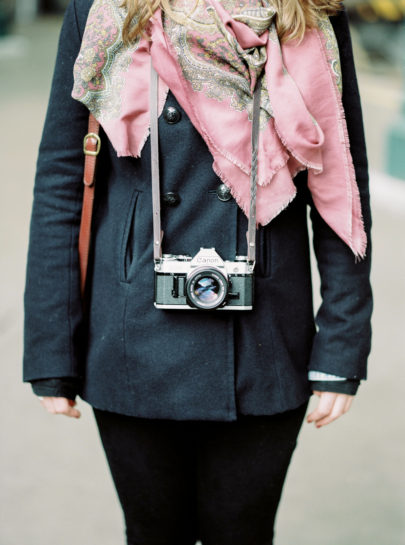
column 225, row 416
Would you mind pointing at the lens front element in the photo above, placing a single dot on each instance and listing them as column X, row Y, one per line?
column 206, row 289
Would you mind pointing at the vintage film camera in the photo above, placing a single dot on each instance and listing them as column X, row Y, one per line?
column 204, row 282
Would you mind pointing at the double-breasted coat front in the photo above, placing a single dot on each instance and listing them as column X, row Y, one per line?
column 180, row 364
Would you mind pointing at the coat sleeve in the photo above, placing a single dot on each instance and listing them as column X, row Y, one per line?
column 53, row 314
column 343, row 339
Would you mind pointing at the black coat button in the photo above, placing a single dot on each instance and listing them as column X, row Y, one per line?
column 171, row 199
column 171, row 115
column 224, row 193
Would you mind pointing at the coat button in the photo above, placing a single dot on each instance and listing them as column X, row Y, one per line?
column 171, row 115
column 171, row 198
column 224, row 193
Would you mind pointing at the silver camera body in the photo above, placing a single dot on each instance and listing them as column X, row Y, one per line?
column 204, row 282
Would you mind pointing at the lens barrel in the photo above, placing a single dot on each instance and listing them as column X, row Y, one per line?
column 206, row 289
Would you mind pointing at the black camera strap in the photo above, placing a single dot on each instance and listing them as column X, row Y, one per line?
column 157, row 228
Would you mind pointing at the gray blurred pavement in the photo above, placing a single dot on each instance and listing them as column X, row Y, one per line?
column 346, row 485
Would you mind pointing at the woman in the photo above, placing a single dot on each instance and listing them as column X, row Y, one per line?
column 199, row 411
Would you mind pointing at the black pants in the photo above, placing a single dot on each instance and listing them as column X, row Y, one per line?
column 183, row 481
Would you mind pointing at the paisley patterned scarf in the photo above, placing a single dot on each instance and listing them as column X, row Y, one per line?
column 211, row 64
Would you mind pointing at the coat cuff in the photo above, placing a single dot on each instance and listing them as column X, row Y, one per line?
column 56, row 387
column 349, row 386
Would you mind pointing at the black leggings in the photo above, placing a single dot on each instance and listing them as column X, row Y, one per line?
column 183, row 481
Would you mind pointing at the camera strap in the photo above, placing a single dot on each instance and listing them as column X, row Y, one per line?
column 154, row 144
column 157, row 228
column 251, row 232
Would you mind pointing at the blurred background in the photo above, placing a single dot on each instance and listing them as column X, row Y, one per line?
column 346, row 484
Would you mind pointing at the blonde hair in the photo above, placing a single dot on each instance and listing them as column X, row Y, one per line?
column 293, row 16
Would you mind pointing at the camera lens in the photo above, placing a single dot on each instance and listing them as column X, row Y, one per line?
column 207, row 289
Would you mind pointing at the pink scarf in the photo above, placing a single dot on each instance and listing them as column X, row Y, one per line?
column 211, row 66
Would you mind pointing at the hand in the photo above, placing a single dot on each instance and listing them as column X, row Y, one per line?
column 60, row 405
column 331, row 405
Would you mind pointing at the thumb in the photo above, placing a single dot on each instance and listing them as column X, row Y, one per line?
column 66, row 406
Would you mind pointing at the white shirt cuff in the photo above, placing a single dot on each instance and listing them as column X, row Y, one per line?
column 318, row 375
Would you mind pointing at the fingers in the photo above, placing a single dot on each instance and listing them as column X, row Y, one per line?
column 336, row 411
column 348, row 403
column 330, row 407
column 60, row 405
column 325, row 405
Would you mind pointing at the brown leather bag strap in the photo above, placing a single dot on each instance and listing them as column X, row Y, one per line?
column 91, row 148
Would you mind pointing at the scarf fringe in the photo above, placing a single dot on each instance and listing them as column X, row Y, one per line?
column 245, row 206
column 318, row 169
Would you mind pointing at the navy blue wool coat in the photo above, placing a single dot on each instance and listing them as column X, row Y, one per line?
column 134, row 359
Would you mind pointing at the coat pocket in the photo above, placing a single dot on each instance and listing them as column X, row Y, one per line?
column 128, row 253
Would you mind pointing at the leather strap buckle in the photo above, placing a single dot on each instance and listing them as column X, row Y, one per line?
column 86, row 143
